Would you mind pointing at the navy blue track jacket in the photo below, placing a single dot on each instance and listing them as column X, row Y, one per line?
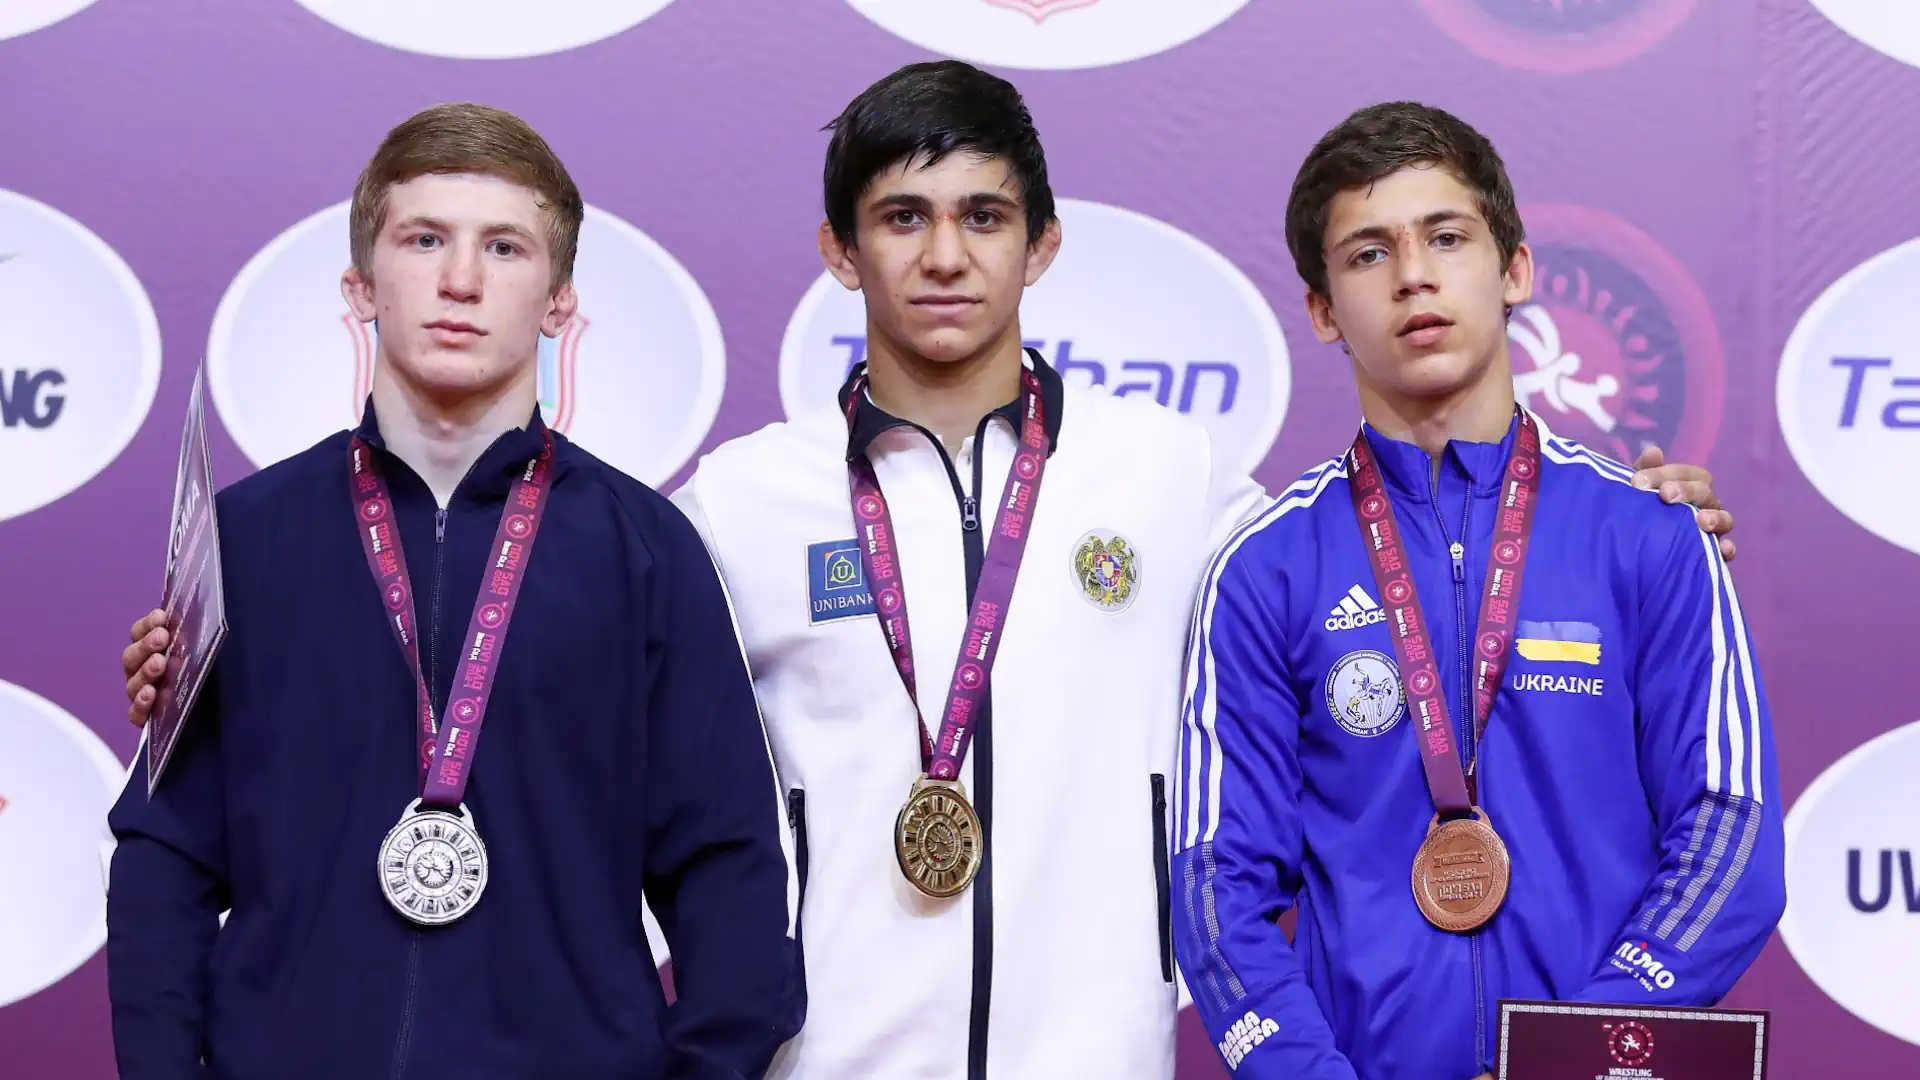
column 622, row 752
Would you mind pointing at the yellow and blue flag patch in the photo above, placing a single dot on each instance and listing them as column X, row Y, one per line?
column 1562, row 642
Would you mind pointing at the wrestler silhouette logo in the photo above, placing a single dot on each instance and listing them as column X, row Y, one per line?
column 1616, row 349
column 1554, row 386
column 1363, row 693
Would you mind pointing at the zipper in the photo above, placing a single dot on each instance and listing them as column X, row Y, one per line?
column 1457, row 550
column 1161, row 886
column 406, row 1009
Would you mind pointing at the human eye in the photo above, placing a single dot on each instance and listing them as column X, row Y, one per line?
column 1367, row 256
column 1448, row 238
column 984, row 219
column 425, row 241
column 903, row 219
column 506, row 249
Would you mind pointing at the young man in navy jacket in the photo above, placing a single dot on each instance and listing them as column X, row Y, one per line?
column 404, row 897
column 1534, row 760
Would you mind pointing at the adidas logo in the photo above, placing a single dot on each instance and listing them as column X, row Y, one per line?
column 1355, row 610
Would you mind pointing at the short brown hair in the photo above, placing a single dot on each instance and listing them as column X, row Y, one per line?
column 468, row 138
column 1378, row 141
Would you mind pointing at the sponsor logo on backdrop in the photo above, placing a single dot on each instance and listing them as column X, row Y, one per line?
column 1848, row 393
column 1617, row 349
column 19, row 17
column 1059, row 34
column 57, row 781
column 1132, row 304
column 1853, row 881
column 82, row 357
column 1559, row 37
column 635, row 378
column 1890, row 26
column 484, row 29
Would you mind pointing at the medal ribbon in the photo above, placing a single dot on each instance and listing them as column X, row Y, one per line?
column 879, row 559
column 1499, row 606
column 446, row 755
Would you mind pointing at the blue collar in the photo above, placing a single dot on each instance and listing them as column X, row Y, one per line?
column 1409, row 469
column 493, row 473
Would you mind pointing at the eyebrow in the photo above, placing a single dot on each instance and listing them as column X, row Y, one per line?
column 1381, row 232
column 921, row 204
column 497, row 228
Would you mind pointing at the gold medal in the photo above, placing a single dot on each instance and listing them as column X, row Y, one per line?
column 937, row 838
column 1460, row 873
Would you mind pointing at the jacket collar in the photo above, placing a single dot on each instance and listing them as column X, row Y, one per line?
column 1410, row 469
column 869, row 420
column 493, row 472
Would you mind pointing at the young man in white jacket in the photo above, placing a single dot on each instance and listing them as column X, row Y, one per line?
column 981, row 836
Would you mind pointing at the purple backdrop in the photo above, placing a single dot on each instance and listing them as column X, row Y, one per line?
column 1753, row 153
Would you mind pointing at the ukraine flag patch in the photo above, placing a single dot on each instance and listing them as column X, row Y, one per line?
column 1561, row 642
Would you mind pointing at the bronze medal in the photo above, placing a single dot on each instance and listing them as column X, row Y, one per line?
column 937, row 838
column 1460, row 873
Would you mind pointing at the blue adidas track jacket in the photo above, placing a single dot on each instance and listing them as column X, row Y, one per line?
column 1628, row 765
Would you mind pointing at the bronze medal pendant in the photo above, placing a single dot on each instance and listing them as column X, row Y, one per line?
column 937, row 838
column 1460, row 873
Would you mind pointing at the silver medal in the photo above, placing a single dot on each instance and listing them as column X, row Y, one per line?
column 433, row 866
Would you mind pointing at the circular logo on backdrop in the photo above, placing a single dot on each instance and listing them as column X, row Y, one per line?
column 635, row 378
column 57, row 782
column 1849, row 394
column 485, row 29
column 1617, row 349
column 1891, row 28
column 1363, row 693
column 1559, row 37
column 81, row 356
column 1057, row 34
column 1132, row 304
column 19, row 17
column 1853, row 882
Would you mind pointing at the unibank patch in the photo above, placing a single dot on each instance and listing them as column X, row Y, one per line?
column 836, row 582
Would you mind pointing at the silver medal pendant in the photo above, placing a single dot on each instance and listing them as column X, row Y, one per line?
column 433, row 866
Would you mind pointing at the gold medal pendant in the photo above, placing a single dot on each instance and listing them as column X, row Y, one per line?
column 937, row 838
column 1460, row 873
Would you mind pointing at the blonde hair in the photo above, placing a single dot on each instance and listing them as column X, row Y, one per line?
column 468, row 138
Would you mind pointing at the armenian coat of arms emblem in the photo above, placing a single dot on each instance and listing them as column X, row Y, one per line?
column 1107, row 570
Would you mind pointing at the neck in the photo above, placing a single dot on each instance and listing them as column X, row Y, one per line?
column 441, row 435
column 947, row 398
column 1480, row 411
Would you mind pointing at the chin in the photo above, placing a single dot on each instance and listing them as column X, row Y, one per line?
column 450, row 371
column 948, row 345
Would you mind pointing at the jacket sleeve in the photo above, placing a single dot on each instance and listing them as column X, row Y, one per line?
column 1707, row 761
column 719, row 873
column 1238, row 839
column 167, row 885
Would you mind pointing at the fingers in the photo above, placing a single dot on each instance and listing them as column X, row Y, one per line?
column 1680, row 484
column 152, row 620
column 142, row 706
column 1650, row 458
column 1718, row 521
column 1726, row 548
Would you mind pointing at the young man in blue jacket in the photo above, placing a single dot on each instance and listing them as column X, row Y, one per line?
column 1485, row 713
column 404, row 897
